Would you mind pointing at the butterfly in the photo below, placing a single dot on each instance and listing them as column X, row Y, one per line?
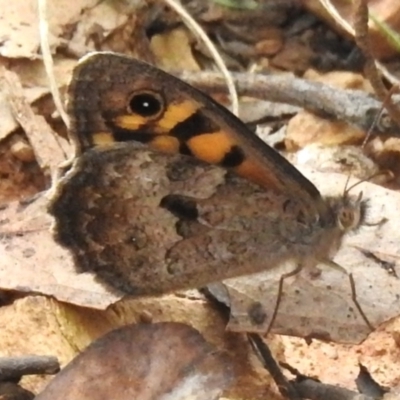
column 169, row 190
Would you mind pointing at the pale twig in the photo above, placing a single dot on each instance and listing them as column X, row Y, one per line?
column 353, row 106
column 332, row 11
column 199, row 32
column 48, row 61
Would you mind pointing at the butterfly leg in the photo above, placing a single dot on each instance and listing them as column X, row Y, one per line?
column 337, row 267
column 294, row 272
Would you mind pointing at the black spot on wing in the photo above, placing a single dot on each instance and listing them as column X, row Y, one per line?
column 233, row 158
column 181, row 206
column 196, row 124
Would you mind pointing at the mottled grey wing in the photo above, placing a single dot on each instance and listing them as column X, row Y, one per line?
column 149, row 223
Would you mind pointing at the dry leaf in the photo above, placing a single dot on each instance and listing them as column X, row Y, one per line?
column 50, row 150
column 173, row 51
column 35, row 86
column 20, row 25
column 341, row 159
column 8, row 122
column 306, row 128
column 322, row 306
column 75, row 20
column 97, row 23
column 150, row 361
column 32, row 262
column 340, row 79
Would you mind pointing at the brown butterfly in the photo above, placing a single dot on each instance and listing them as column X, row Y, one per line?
column 147, row 206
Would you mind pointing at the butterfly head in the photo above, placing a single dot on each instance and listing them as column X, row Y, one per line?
column 350, row 212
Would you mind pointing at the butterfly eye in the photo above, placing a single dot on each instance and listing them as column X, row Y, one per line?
column 146, row 104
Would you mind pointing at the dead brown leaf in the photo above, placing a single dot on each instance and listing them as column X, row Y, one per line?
column 32, row 262
column 40, row 325
column 341, row 159
column 20, row 25
column 34, row 80
column 173, row 51
column 49, row 149
column 306, row 128
column 148, row 361
column 8, row 122
column 98, row 23
column 340, row 79
column 19, row 179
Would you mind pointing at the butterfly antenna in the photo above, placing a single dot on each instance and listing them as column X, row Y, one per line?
column 347, row 190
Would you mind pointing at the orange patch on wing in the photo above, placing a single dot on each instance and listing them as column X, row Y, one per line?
column 174, row 114
column 166, row 144
column 255, row 173
column 211, row 147
column 102, row 138
column 131, row 122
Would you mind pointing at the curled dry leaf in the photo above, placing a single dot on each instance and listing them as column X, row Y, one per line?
column 149, row 361
column 322, row 306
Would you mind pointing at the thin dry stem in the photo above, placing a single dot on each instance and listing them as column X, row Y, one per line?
column 199, row 32
column 48, row 61
column 362, row 39
column 332, row 11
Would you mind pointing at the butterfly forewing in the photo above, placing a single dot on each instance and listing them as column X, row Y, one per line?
column 107, row 108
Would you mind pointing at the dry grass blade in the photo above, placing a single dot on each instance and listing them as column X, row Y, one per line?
column 48, row 61
column 199, row 32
